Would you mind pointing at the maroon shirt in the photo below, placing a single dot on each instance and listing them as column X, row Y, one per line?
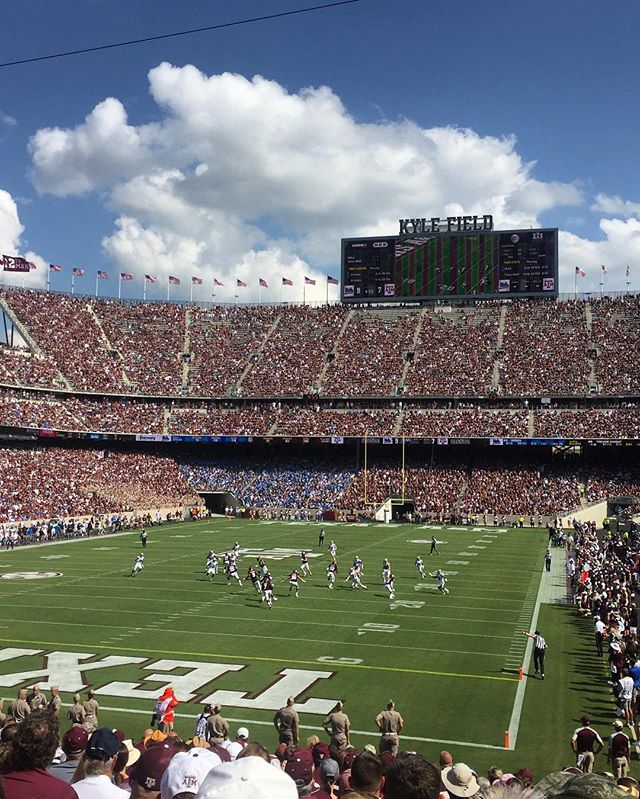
column 619, row 745
column 35, row 784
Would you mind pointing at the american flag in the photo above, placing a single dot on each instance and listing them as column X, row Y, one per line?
column 197, row 281
column 287, row 282
column 216, row 282
column 126, row 276
column 240, row 284
column 175, row 281
column 150, row 279
column 332, row 280
column 262, row 283
column 77, row 272
column 309, row 282
column 580, row 272
column 103, row 275
column 55, row 268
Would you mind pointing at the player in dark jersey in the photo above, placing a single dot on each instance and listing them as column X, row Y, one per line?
column 294, row 582
column 267, row 590
column 434, row 546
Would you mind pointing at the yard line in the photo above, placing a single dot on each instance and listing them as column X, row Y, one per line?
column 275, row 620
column 310, row 727
column 314, row 663
column 254, row 637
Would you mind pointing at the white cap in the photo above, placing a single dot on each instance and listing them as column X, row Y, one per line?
column 247, row 778
column 187, row 771
column 243, row 732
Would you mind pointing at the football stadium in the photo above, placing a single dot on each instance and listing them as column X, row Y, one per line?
column 295, row 502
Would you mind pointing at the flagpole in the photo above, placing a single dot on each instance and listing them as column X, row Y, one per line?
column 304, row 293
column 168, row 289
column 48, row 277
column 575, row 284
column 144, row 290
column 327, row 290
column 97, row 279
column 628, row 279
column 120, row 288
column 213, row 293
column 259, row 293
column 236, row 295
column 281, row 292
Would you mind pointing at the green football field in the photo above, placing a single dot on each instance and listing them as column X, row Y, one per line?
column 71, row 615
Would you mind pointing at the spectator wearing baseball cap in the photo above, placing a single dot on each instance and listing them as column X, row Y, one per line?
column 300, row 768
column 619, row 752
column 247, row 778
column 146, row 776
column 99, row 763
column 74, row 742
column 325, row 775
column 186, row 772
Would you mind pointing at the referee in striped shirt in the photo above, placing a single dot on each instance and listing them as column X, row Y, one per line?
column 539, row 648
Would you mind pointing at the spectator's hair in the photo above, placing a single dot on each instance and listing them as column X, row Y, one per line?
column 34, row 743
column 366, row 773
column 254, row 749
column 8, row 732
column 412, row 777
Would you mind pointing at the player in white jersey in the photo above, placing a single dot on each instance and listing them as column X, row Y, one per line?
column 420, row 567
column 294, row 582
column 441, row 581
column 332, row 570
column 355, row 579
column 236, row 549
column 138, row 566
column 333, row 550
column 388, row 584
column 263, row 569
column 358, row 564
column 304, row 563
column 212, row 567
column 386, row 569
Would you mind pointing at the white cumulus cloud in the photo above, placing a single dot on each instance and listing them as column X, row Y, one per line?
column 241, row 178
column 11, row 230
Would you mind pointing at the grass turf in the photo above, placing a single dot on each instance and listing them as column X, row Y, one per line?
column 449, row 662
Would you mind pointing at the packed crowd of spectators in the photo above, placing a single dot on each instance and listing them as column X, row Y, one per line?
column 454, row 353
column 256, row 420
column 587, row 423
column 293, row 357
column 88, row 761
column 465, row 423
column 51, row 482
column 612, row 480
column 317, row 421
column 547, row 348
column 370, row 357
column 616, row 333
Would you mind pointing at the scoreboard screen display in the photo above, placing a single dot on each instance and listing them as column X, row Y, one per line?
column 512, row 263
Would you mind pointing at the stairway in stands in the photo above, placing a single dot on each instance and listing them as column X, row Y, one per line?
column 495, row 377
column 254, row 356
column 108, row 345
column 33, row 346
column 186, row 353
column 336, row 344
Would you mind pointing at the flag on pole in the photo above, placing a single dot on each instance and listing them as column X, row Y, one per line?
column 77, row 272
column 580, row 272
column 604, row 269
column 196, row 281
column 103, row 275
column 216, row 282
column 628, row 270
column 32, row 266
column 262, row 283
column 332, row 280
column 240, row 284
column 126, row 276
column 55, row 268
column 287, row 282
column 174, row 281
column 150, row 279
column 309, row 282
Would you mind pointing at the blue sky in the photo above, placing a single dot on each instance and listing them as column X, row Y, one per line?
column 195, row 167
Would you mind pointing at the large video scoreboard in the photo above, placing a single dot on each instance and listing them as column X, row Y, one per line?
column 465, row 265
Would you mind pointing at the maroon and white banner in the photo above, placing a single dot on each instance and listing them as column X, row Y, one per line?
column 13, row 263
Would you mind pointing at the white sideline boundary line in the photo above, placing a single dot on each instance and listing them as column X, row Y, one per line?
column 249, row 722
column 516, row 713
